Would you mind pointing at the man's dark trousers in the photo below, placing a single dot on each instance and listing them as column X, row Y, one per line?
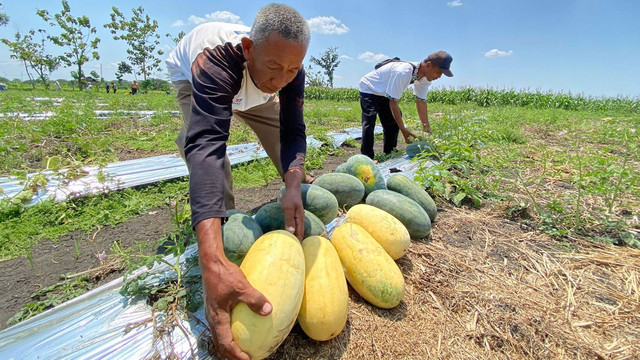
column 373, row 105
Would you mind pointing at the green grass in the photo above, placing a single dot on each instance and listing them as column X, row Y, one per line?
column 569, row 172
column 22, row 227
column 252, row 174
column 74, row 133
column 77, row 137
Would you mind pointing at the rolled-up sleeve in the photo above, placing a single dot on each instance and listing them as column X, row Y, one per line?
column 216, row 78
column 421, row 89
column 293, row 138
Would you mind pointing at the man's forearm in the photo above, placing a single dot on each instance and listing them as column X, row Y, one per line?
column 293, row 177
column 210, row 248
column 397, row 114
column 423, row 114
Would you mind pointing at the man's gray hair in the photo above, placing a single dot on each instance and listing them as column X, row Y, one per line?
column 284, row 20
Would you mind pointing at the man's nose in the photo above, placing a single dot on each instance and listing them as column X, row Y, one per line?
column 279, row 81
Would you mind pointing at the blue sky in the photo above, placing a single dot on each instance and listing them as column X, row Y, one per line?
column 579, row 46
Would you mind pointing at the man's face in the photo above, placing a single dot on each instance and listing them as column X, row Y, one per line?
column 431, row 71
column 274, row 63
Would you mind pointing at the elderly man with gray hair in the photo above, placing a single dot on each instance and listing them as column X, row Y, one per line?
column 220, row 71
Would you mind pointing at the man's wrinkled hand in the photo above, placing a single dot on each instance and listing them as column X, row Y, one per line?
column 224, row 286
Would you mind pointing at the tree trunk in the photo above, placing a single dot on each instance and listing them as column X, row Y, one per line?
column 26, row 68
column 40, row 71
column 80, row 83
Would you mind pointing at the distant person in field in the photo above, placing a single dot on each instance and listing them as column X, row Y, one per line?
column 382, row 88
column 221, row 71
column 114, row 87
column 134, row 87
column 57, row 85
column 107, row 87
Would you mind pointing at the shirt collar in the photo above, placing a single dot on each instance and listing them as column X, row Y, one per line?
column 414, row 75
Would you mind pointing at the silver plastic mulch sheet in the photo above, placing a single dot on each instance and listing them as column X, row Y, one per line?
column 125, row 174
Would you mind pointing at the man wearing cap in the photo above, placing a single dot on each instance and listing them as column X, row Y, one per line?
column 381, row 89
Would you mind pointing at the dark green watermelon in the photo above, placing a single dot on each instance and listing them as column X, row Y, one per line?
column 238, row 234
column 270, row 217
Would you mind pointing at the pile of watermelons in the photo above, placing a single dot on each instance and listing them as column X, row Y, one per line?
column 308, row 280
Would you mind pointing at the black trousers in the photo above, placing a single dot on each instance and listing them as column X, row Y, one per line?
column 373, row 105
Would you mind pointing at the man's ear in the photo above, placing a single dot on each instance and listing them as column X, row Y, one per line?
column 247, row 47
column 427, row 66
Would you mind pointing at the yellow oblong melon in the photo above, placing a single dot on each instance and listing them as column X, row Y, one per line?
column 368, row 268
column 274, row 265
column 325, row 304
column 384, row 227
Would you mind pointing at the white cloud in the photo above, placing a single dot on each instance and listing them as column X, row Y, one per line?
column 221, row 16
column 196, row 19
column 337, row 77
column 368, row 56
column 327, row 25
column 455, row 3
column 495, row 53
column 177, row 23
column 346, row 57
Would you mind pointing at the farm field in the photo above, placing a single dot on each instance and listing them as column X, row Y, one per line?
column 534, row 253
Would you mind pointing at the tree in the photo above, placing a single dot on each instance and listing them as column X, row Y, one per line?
column 328, row 62
column 76, row 36
column 33, row 56
column 140, row 34
column 155, row 84
column 176, row 39
column 314, row 78
column 4, row 19
column 123, row 68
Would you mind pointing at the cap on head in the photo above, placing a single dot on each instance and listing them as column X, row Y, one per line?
column 441, row 59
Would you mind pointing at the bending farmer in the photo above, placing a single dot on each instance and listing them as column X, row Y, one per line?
column 381, row 89
column 220, row 71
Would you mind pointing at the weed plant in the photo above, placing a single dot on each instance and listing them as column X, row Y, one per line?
column 568, row 173
column 172, row 294
column 51, row 296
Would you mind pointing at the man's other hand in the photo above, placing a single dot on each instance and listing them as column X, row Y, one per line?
column 291, row 203
column 407, row 135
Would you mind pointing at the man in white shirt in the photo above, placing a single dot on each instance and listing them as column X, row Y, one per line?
column 381, row 89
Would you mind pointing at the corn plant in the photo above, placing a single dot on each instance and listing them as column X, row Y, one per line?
column 492, row 97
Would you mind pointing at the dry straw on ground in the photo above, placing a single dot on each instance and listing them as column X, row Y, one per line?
column 484, row 288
